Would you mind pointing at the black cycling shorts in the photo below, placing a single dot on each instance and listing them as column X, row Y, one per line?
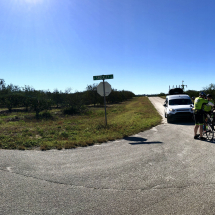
column 199, row 118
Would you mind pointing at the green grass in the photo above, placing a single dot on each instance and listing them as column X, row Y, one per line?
column 64, row 131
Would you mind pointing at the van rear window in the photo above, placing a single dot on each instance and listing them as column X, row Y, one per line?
column 180, row 102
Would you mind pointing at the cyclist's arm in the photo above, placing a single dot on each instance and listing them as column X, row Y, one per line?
column 210, row 103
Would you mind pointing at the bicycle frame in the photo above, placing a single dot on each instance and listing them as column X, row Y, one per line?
column 209, row 132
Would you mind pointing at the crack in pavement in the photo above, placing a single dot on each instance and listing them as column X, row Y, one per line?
column 114, row 189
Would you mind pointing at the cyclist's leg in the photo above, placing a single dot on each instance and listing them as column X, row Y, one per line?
column 196, row 117
column 201, row 124
column 204, row 120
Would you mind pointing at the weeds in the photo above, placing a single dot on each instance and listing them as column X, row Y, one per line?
column 70, row 131
column 21, row 147
column 64, row 134
column 70, row 145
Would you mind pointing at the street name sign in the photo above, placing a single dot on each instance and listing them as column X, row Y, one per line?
column 100, row 89
column 102, row 77
column 104, row 89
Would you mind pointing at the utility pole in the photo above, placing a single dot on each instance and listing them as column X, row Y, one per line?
column 183, row 85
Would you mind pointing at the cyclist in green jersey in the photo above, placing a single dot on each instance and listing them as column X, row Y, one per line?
column 198, row 105
column 207, row 109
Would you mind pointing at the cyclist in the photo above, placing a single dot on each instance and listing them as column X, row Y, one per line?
column 208, row 108
column 198, row 105
column 193, row 99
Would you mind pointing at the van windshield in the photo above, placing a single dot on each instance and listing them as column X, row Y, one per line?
column 180, row 102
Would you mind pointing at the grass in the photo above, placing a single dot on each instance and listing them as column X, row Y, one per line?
column 22, row 131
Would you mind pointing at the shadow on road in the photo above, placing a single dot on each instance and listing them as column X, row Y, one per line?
column 139, row 140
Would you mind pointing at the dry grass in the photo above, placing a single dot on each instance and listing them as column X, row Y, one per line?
column 22, row 131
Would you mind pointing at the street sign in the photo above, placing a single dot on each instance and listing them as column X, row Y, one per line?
column 100, row 89
column 104, row 89
column 102, row 77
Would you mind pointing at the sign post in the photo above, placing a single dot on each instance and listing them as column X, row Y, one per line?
column 106, row 91
column 104, row 103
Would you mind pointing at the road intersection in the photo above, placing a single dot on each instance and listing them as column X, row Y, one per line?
column 159, row 171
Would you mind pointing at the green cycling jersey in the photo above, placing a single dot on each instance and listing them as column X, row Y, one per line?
column 208, row 108
column 199, row 102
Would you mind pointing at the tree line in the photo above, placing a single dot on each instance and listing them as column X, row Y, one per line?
column 13, row 96
column 210, row 89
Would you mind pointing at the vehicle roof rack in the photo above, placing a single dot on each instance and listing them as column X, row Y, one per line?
column 176, row 91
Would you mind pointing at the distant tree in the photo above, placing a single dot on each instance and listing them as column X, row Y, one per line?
column 162, row 94
column 210, row 89
column 2, row 84
column 68, row 90
column 57, row 97
column 39, row 102
column 10, row 96
column 119, row 96
column 113, row 97
column 74, row 103
column 92, row 97
column 28, row 93
column 192, row 93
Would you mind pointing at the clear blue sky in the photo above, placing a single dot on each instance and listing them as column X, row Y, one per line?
column 147, row 44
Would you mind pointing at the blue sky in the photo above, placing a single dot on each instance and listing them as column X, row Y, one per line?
column 146, row 44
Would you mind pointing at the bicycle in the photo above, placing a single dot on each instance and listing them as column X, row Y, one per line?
column 208, row 131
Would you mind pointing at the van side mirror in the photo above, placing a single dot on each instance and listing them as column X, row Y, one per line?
column 164, row 105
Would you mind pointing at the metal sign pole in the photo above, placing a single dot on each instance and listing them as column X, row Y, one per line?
column 104, row 102
column 99, row 89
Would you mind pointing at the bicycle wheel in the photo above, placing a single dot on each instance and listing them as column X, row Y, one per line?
column 209, row 132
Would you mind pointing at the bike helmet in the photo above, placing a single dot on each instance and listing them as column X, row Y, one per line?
column 202, row 94
column 209, row 95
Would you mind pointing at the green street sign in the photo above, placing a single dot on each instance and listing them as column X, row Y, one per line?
column 102, row 77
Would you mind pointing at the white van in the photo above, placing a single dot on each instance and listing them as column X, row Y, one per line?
column 178, row 107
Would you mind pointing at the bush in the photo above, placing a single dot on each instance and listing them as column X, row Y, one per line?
column 162, row 94
column 70, row 145
column 64, row 134
column 21, row 147
column 46, row 115
column 75, row 110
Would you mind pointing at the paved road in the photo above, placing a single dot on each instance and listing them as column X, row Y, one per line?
column 159, row 171
column 158, row 103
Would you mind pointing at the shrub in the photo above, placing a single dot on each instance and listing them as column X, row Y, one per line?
column 46, row 115
column 21, row 147
column 75, row 110
column 30, row 143
column 90, row 142
column 70, row 145
column 58, row 146
column 44, row 147
column 64, row 134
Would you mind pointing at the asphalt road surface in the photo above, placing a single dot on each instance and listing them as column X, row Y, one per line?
column 159, row 171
